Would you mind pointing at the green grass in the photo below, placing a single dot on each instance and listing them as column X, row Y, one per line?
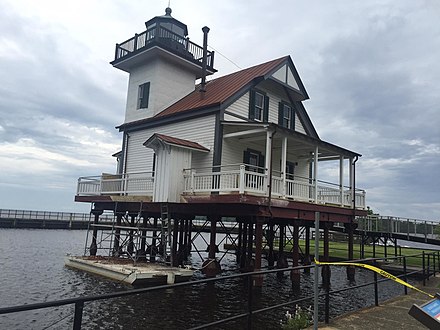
column 340, row 250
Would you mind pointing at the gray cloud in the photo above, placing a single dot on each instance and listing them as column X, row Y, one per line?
column 370, row 68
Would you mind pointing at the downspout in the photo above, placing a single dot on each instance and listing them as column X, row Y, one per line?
column 269, row 202
column 124, row 154
column 124, row 166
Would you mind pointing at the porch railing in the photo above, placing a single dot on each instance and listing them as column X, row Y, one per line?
column 116, row 184
column 243, row 178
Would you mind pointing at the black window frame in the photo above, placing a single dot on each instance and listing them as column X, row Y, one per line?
column 261, row 160
column 290, row 170
column 264, row 111
column 143, row 95
column 281, row 115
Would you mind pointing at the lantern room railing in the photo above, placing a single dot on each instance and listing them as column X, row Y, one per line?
column 160, row 36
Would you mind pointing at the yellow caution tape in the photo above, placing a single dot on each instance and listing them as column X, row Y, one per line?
column 377, row 270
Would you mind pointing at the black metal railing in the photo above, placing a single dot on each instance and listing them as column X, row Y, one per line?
column 167, row 39
column 431, row 265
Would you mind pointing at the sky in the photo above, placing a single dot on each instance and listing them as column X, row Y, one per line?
column 371, row 69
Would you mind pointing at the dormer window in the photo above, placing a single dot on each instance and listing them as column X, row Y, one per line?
column 286, row 115
column 258, row 106
column 144, row 93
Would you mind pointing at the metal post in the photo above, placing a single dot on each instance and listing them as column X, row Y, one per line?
column 316, row 270
column 404, row 273
column 249, row 323
column 327, row 304
column 376, row 293
column 429, row 268
column 307, row 250
column 423, row 266
column 77, row 320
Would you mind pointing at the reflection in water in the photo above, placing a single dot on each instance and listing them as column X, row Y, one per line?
column 32, row 270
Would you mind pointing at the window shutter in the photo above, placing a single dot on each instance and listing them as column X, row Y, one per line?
column 146, row 95
column 292, row 120
column 154, row 165
column 280, row 114
column 246, row 156
column 251, row 105
column 261, row 163
column 266, row 109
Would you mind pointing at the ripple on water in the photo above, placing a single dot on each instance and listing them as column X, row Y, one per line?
column 32, row 266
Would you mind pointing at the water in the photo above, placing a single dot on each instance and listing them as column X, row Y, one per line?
column 32, row 270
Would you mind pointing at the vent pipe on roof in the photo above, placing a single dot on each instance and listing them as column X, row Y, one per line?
column 205, row 30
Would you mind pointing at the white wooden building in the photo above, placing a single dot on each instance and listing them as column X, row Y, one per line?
column 240, row 145
column 243, row 134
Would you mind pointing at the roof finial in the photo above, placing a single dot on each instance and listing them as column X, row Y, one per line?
column 168, row 9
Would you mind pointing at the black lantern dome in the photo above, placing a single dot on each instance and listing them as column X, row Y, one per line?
column 169, row 23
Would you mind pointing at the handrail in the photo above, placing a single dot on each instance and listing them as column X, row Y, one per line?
column 159, row 33
column 49, row 215
column 79, row 301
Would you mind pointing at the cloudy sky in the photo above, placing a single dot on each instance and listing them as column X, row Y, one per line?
column 371, row 69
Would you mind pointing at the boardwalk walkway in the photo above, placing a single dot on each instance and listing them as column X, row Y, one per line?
column 390, row 314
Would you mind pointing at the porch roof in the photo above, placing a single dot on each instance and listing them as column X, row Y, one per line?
column 296, row 141
column 176, row 142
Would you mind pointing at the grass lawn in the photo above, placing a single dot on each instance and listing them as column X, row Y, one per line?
column 340, row 250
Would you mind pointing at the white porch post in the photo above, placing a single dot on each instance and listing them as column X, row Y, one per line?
column 341, row 179
column 241, row 179
column 315, row 173
column 351, row 167
column 268, row 159
column 283, row 165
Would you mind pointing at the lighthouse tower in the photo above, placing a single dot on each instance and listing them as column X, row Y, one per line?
column 163, row 65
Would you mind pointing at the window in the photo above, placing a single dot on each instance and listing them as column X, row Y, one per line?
column 144, row 92
column 286, row 116
column 290, row 170
column 258, row 106
column 254, row 159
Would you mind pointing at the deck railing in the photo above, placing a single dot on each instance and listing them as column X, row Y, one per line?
column 397, row 225
column 140, row 183
column 164, row 37
column 238, row 178
column 244, row 178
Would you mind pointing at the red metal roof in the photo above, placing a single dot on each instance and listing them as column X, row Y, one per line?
column 220, row 89
column 176, row 141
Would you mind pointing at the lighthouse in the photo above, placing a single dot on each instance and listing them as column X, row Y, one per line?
column 163, row 65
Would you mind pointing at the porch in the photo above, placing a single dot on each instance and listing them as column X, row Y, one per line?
column 228, row 179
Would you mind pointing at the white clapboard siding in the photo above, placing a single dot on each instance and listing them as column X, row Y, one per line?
column 169, row 82
column 240, row 107
column 200, row 130
column 298, row 125
column 169, row 182
column 302, row 169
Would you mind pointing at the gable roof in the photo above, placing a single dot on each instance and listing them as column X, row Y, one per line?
column 221, row 89
column 175, row 141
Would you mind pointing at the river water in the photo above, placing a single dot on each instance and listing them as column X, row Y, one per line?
column 32, row 270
